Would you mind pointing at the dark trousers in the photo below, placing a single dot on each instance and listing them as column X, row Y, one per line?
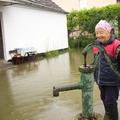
column 109, row 96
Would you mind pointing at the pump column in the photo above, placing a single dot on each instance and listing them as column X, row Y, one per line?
column 87, row 81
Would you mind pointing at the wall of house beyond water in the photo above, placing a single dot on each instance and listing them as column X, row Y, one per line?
column 95, row 3
column 31, row 27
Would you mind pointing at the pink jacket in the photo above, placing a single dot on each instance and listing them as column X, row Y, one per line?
column 110, row 48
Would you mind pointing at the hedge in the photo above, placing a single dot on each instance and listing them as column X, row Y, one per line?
column 85, row 20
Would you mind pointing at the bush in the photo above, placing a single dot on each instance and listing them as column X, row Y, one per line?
column 52, row 53
column 80, row 42
column 85, row 21
column 73, row 42
column 85, row 40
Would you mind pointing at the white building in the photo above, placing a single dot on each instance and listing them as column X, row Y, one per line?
column 32, row 23
column 69, row 5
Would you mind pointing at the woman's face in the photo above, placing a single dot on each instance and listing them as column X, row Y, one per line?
column 102, row 35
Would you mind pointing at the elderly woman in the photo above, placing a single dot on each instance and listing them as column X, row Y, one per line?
column 106, row 79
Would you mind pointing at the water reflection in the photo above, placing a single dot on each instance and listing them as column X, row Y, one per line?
column 7, row 108
column 26, row 91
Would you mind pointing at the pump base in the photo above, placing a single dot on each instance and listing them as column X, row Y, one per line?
column 95, row 116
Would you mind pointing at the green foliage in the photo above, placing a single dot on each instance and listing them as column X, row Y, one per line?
column 80, row 42
column 52, row 53
column 73, row 42
column 72, row 21
column 85, row 20
column 85, row 40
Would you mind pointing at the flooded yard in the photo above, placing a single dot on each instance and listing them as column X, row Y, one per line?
column 26, row 90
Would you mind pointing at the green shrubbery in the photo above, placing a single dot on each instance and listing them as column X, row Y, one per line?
column 52, row 53
column 80, row 41
column 55, row 53
column 85, row 21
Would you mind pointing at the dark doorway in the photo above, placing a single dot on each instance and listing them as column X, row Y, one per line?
column 1, row 43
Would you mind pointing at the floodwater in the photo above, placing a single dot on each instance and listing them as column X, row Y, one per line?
column 26, row 90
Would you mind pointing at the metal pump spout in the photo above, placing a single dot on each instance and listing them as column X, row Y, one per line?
column 67, row 87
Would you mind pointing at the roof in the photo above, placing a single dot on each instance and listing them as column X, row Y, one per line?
column 48, row 4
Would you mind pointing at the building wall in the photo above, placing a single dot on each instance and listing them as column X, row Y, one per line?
column 30, row 27
column 95, row 3
column 68, row 5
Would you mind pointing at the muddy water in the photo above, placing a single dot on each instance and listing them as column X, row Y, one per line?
column 26, row 91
